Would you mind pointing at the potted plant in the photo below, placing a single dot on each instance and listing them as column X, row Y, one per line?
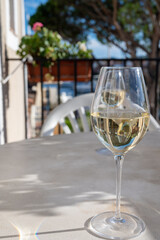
column 46, row 46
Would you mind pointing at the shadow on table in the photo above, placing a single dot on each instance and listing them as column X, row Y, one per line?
column 44, row 233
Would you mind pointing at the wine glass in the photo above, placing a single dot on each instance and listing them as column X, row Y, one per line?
column 120, row 118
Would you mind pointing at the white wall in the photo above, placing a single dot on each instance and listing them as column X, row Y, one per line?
column 14, row 102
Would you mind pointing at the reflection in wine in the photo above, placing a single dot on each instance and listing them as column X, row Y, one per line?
column 120, row 133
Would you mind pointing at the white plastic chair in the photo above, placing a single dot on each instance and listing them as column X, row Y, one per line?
column 67, row 109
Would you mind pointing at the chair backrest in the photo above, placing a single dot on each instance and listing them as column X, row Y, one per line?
column 67, row 109
column 58, row 115
column 153, row 124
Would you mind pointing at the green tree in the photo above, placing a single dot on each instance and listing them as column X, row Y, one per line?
column 135, row 23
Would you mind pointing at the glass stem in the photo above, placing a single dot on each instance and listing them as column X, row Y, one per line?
column 119, row 162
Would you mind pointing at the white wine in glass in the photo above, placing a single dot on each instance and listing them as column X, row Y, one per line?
column 120, row 118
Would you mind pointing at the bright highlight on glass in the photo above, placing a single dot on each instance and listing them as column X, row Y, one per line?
column 120, row 118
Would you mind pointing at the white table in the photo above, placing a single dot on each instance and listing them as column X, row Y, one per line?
column 54, row 185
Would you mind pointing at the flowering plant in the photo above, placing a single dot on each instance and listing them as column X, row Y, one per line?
column 37, row 26
column 49, row 45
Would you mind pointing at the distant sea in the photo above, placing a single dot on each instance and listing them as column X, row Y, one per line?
column 68, row 88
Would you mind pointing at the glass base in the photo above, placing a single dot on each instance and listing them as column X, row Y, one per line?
column 107, row 226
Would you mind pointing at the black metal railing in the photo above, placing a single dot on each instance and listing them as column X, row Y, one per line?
column 95, row 65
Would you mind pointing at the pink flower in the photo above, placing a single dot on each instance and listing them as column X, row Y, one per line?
column 37, row 26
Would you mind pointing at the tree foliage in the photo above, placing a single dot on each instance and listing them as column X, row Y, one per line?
column 136, row 23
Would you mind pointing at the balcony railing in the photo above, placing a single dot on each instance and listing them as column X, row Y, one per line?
column 77, row 86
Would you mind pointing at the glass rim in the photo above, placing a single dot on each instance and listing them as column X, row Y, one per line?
column 121, row 67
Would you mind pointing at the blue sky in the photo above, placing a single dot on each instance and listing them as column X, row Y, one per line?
column 99, row 50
